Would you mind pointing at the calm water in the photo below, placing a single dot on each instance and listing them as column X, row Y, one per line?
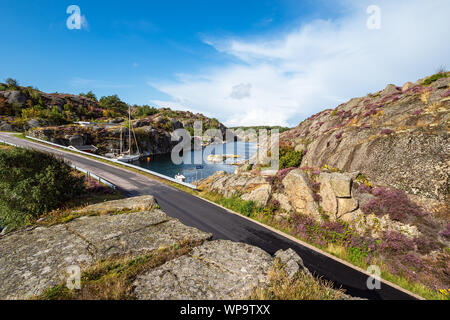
column 163, row 163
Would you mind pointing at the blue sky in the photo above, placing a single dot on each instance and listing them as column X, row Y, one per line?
column 243, row 62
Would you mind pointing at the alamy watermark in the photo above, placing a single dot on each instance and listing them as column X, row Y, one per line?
column 374, row 20
column 75, row 21
column 212, row 142
column 74, row 279
column 374, row 281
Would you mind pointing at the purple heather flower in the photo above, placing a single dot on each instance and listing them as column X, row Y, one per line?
column 446, row 232
column 446, row 93
column 386, row 131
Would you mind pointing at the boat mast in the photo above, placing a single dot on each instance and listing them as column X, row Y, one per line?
column 121, row 141
column 129, row 130
column 135, row 141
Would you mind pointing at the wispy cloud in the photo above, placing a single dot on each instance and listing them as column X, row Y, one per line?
column 176, row 105
column 264, row 22
column 285, row 77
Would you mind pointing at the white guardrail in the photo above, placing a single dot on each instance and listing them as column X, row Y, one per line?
column 8, row 143
column 94, row 176
column 118, row 162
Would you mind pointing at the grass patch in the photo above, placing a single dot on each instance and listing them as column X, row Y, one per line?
column 417, row 288
column 21, row 136
column 5, row 146
column 67, row 213
column 247, row 208
column 112, row 279
column 302, row 286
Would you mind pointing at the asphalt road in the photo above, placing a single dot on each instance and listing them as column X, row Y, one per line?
column 208, row 217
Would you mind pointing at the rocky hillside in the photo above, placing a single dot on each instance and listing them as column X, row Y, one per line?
column 130, row 249
column 153, row 133
column 370, row 177
column 22, row 108
column 397, row 137
column 51, row 116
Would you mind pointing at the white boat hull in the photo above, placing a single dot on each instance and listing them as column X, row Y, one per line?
column 129, row 159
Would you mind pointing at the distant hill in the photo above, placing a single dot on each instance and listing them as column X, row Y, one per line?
column 23, row 108
column 257, row 128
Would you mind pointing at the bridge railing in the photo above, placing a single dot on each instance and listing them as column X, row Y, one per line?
column 117, row 162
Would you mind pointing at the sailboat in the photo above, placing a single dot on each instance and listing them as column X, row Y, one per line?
column 127, row 156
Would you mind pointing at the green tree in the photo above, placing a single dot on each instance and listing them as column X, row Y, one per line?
column 56, row 116
column 146, row 111
column 113, row 103
column 89, row 95
column 33, row 183
column 12, row 83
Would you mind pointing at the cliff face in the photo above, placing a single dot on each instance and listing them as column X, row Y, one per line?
column 151, row 139
column 153, row 133
column 397, row 137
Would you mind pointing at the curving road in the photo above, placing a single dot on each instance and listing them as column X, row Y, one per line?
column 206, row 216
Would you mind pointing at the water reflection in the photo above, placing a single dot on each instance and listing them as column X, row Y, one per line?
column 163, row 163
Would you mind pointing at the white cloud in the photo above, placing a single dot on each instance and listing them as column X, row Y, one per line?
column 319, row 64
column 241, row 91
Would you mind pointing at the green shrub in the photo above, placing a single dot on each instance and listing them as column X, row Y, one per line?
column 435, row 77
column 12, row 83
column 290, row 158
column 190, row 130
column 357, row 255
column 145, row 111
column 33, row 183
column 2, row 88
column 212, row 124
column 167, row 126
column 56, row 116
